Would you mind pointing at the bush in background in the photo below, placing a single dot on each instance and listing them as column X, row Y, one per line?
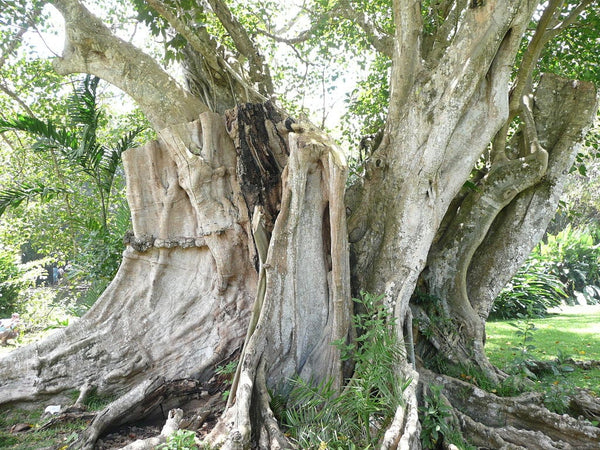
column 573, row 255
column 564, row 268
column 532, row 290
column 9, row 288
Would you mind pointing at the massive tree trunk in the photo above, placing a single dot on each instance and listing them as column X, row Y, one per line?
column 240, row 242
column 187, row 278
column 505, row 213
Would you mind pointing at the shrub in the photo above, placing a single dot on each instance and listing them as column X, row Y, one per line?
column 573, row 256
column 321, row 417
column 9, row 289
column 532, row 290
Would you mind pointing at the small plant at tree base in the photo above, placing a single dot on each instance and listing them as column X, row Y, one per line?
column 437, row 421
column 525, row 334
column 180, row 440
column 558, row 397
column 321, row 417
column 226, row 373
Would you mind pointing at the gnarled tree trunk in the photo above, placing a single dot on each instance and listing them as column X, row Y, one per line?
column 240, row 240
column 187, row 278
column 506, row 214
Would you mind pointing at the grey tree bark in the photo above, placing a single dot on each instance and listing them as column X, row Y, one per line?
column 464, row 272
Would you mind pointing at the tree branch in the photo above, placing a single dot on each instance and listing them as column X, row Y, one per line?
column 17, row 99
column 407, row 52
column 91, row 48
column 17, row 39
column 199, row 38
column 522, row 84
column 568, row 21
column 259, row 71
column 380, row 41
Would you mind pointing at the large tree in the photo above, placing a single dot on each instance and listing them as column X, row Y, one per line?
column 246, row 239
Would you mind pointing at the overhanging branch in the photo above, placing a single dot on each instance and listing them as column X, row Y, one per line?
column 91, row 48
column 259, row 70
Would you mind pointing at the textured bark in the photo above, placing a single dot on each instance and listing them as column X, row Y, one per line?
column 306, row 301
column 564, row 110
column 247, row 209
column 91, row 48
column 463, row 262
column 514, row 422
column 187, row 279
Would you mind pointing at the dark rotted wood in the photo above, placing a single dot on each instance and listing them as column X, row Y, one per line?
column 260, row 133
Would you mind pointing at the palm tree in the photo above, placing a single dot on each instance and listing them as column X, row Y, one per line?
column 77, row 143
column 77, row 147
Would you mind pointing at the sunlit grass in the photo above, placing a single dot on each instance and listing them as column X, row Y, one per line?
column 562, row 335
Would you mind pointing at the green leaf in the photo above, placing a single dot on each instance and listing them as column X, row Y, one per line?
column 14, row 196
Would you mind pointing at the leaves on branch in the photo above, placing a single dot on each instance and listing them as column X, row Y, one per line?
column 26, row 191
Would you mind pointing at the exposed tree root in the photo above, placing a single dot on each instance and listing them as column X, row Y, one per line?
column 170, row 427
column 515, row 422
column 149, row 397
column 404, row 432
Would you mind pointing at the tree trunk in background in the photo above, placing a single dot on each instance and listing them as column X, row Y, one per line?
column 491, row 231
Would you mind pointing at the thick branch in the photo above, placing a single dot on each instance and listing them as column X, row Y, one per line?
column 380, row 41
column 199, row 39
column 540, row 38
column 259, row 71
column 563, row 110
column 209, row 76
column 407, row 52
column 91, row 48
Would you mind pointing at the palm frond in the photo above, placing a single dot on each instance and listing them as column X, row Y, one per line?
column 48, row 134
column 112, row 157
column 82, row 103
column 14, row 196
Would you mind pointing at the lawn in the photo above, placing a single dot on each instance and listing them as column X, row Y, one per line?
column 565, row 335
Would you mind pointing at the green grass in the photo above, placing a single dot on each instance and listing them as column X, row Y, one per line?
column 569, row 335
column 58, row 436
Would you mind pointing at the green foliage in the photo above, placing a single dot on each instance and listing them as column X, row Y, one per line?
column 9, row 289
column 180, row 440
column 574, row 53
column 57, row 436
column 558, row 397
column 574, row 256
column 226, row 374
column 16, row 280
column 82, row 195
column 532, row 290
column 93, row 401
column 437, row 424
column 13, row 196
column 358, row 416
column 557, row 339
column 368, row 102
column 564, row 268
column 525, row 331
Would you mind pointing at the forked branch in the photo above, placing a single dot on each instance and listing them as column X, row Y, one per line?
column 92, row 48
